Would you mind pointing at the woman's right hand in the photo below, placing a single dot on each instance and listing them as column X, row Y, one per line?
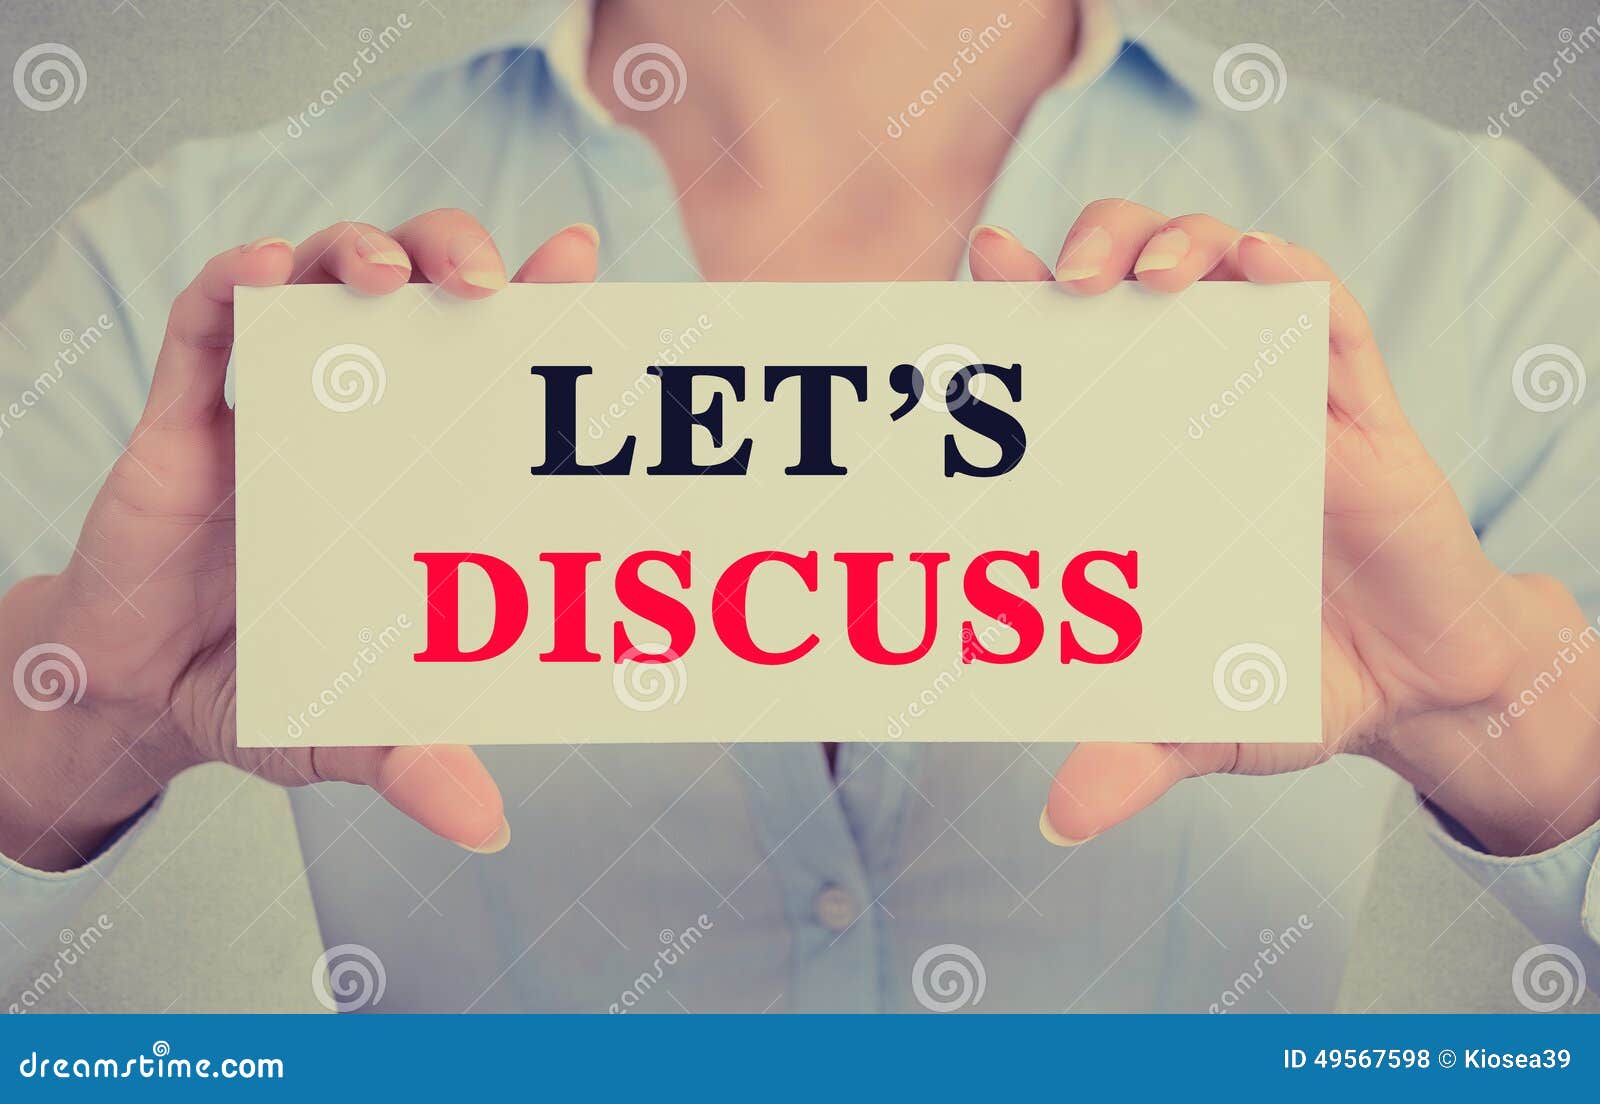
column 141, row 622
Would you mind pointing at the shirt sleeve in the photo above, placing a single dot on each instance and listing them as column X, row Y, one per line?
column 38, row 908
column 75, row 354
column 1532, row 286
column 1556, row 893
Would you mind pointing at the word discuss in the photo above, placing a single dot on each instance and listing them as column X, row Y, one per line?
column 730, row 612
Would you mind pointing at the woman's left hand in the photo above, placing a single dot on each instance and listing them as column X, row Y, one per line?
column 1424, row 639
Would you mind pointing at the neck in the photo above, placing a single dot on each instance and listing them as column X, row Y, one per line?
column 919, row 78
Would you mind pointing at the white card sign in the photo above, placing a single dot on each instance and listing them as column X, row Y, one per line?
column 691, row 512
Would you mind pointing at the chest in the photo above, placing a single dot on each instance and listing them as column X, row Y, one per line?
column 867, row 220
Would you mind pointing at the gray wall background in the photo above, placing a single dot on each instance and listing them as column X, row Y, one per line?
column 223, row 859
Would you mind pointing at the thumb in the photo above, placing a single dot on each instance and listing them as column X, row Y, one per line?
column 444, row 788
column 1101, row 785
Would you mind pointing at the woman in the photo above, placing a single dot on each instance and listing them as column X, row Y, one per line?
column 820, row 142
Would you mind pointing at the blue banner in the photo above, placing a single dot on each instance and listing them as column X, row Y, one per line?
column 783, row 1058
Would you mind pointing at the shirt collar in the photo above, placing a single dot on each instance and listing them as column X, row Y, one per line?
column 559, row 31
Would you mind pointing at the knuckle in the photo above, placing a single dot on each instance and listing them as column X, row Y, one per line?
column 1119, row 207
column 344, row 235
column 1099, row 208
column 1205, row 226
column 182, row 330
column 450, row 216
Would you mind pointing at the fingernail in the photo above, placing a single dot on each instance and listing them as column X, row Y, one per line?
column 475, row 261
column 584, row 230
column 1085, row 255
column 998, row 231
column 496, row 843
column 382, row 254
column 264, row 243
column 1048, row 831
column 1263, row 236
column 1166, row 250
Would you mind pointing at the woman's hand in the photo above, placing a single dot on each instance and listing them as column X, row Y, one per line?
column 1423, row 638
column 146, row 603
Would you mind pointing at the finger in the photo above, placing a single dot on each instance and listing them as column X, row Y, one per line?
column 186, row 386
column 1103, row 244
column 570, row 256
column 1101, row 785
column 996, row 254
column 444, row 788
column 1186, row 249
column 352, row 253
column 1358, row 380
column 452, row 249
